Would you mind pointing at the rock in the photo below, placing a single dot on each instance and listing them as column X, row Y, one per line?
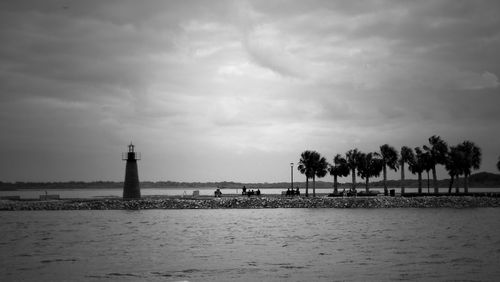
column 255, row 202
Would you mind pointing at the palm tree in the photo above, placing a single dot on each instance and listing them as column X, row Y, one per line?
column 417, row 165
column 471, row 160
column 312, row 164
column 320, row 170
column 498, row 163
column 352, row 157
column 339, row 168
column 306, row 167
column 428, row 163
column 437, row 150
column 389, row 159
column 406, row 157
column 370, row 165
column 454, row 164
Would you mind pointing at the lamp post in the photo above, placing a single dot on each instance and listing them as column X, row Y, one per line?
column 291, row 175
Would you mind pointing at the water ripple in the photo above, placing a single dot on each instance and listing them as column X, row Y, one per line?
column 251, row 245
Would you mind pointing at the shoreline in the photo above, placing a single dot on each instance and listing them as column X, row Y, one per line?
column 458, row 202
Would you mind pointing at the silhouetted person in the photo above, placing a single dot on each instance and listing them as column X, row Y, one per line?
column 352, row 192
column 244, row 190
column 217, row 193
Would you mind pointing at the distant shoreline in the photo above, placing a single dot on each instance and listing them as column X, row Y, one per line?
column 477, row 180
column 252, row 203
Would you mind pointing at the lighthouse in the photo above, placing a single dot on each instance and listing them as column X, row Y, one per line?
column 131, row 189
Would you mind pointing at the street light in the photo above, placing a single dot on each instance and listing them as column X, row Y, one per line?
column 291, row 174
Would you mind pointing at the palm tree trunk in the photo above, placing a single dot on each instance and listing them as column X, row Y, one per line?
column 335, row 190
column 386, row 192
column 353, row 172
column 466, row 183
column 402, row 178
column 314, row 185
column 434, row 180
column 307, row 186
column 428, row 182
column 420, row 183
column 451, row 184
column 457, row 178
column 366, row 186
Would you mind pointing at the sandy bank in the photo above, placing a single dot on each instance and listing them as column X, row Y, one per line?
column 254, row 202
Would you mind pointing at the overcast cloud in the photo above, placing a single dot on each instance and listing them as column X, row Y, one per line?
column 236, row 90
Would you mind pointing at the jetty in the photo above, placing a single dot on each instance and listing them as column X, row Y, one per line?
column 240, row 202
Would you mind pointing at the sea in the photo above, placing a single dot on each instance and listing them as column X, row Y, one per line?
column 251, row 245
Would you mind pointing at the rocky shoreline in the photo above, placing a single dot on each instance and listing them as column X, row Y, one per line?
column 252, row 203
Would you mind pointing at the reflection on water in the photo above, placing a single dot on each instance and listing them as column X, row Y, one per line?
column 251, row 245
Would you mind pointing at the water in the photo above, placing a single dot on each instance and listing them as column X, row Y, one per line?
column 206, row 191
column 117, row 192
column 251, row 245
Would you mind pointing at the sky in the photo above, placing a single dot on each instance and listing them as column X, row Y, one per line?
column 236, row 90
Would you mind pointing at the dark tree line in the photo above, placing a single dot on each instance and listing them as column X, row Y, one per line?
column 459, row 160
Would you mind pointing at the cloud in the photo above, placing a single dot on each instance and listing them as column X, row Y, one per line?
column 190, row 82
column 268, row 49
column 478, row 81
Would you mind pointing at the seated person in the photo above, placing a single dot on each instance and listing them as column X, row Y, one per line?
column 218, row 193
column 352, row 192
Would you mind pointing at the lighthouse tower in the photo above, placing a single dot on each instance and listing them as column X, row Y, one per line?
column 131, row 189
